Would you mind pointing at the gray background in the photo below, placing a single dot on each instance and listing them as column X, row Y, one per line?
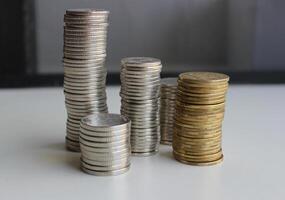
column 184, row 34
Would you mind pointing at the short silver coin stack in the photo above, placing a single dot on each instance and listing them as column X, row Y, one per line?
column 105, row 144
column 85, row 36
column 168, row 90
column 140, row 98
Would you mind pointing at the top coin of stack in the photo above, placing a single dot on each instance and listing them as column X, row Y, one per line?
column 140, row 83
column 200, row 104
column 85, row 36
column 105, row 144
column 168, row 90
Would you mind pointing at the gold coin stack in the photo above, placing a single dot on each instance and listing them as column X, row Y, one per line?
column 168, row 88
column 200, row 106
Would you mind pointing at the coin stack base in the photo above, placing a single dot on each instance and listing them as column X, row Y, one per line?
column 85, row 33
column 105, row 144
column 200, row 105
column 168, row 89
column 140, row 82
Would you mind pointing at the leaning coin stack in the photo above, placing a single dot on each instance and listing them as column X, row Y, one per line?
column 85, row 34
column 140, row 83
column 105, row 144
column 200, row 106
column 168, row 88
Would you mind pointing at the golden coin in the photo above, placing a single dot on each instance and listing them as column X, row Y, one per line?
column 195, row 143
column 178, row 147
column 202, row 86
column 200, row 101
column 192, row 148
column 187, row 115
column 179, row 144
column 212, row 156
column 199, row 163
column 202, row 130
column 199, row 153
column 197, row 136
column 203, row 124
column 202, row 159
column 198, row 112
column 184, row 93
column 184, row 116
column 205, row 116
column 191, row 122
column 203, row 91
column 204, row 77
column 196, row 133
column 213, row 137
column 206, row 107
column 198, row 126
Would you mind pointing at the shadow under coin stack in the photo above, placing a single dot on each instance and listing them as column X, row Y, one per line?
column 140, row 85
column 168, row 88
column 105, row 144
column 200, row 105
column 85, row 36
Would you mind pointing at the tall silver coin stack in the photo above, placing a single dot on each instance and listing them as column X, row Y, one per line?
column 105, row 144
column 85, row 35
column 140, row 98
column 168, row 90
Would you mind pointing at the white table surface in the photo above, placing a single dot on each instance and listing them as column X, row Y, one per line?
column 35, row 164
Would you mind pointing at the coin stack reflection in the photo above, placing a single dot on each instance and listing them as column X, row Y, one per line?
column 85, row 34
column 140, row 85
column 200, row 104
column 105, row 144
column 168, row 89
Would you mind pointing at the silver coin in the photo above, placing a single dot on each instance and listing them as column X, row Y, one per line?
column 103, row 169
column 104, row 139
column 85, row 92
column 124, row 161
column 96, row 77
column 109, row 155
column 117, row 133
column 90, row 101
column 140, row 61
column 89, row 66
column 107, row 162
column 105, row 122
column 103, row 157
column 85, row 40
column 102, row 144
column 144, row 154
column 79, row 74
column 140, row 74
column 106, row 149
column 107, row 173
column 84, row 107
column 88, row 88
column 99, row 29
column 81, row 57
column 74, row 96
column 85, row 111
column 71, row 136
column 84, row 52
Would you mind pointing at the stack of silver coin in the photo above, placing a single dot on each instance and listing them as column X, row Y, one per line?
column 140, row 98
column 105, row 144
column 168, row 90
column 85, row 35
